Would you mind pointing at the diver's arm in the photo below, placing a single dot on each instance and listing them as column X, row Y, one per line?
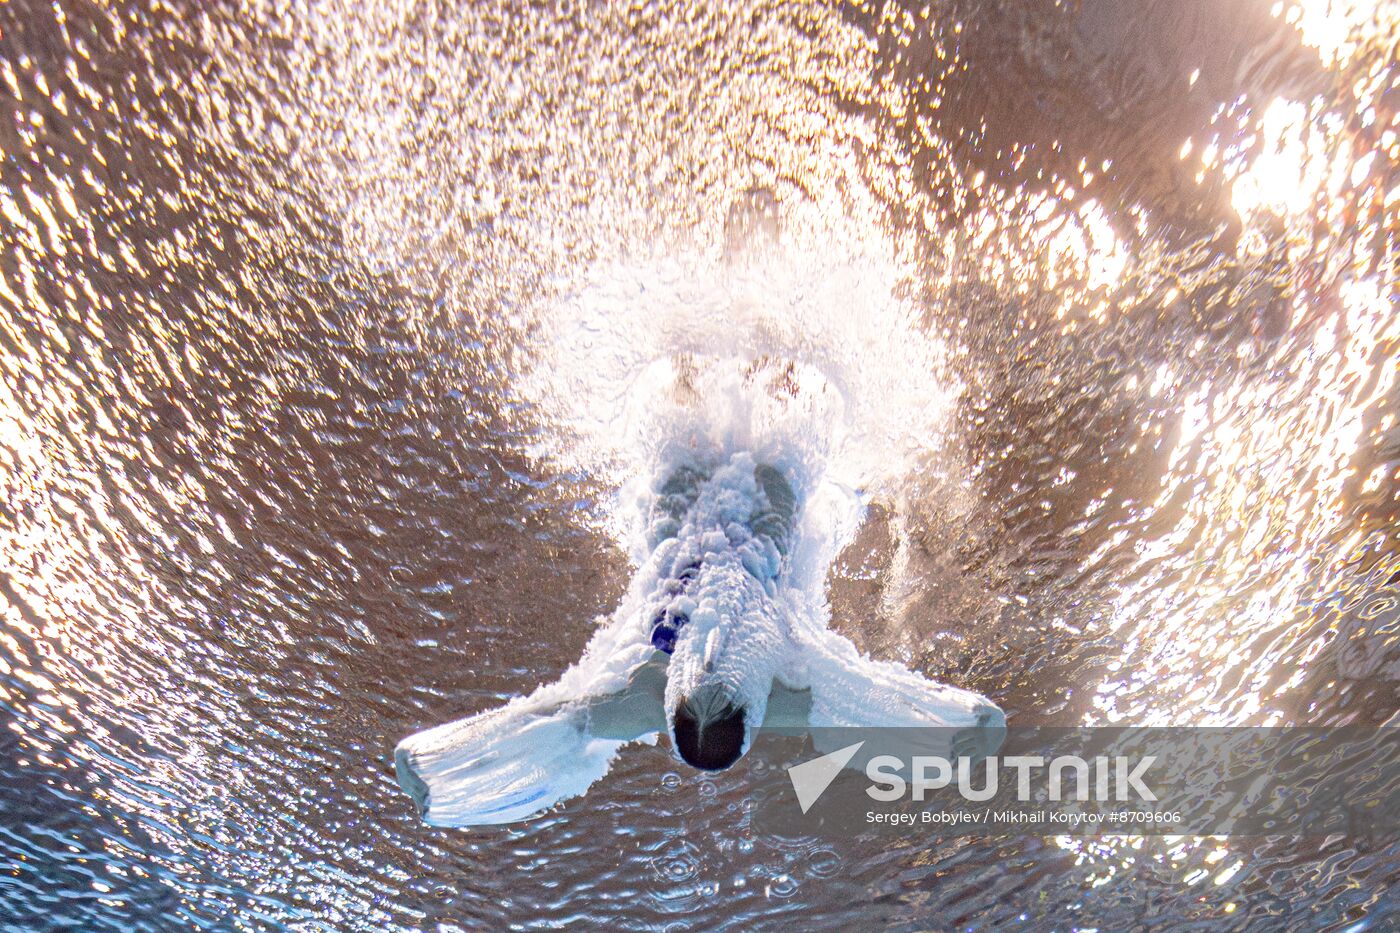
column 509, row 763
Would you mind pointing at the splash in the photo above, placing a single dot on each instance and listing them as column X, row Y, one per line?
column 812, row 359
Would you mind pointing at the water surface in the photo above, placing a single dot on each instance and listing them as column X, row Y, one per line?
column 316, row 329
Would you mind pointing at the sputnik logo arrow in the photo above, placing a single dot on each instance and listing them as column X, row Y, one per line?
column 811, row 778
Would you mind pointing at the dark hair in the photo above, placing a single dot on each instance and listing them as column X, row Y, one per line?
column 710, row 742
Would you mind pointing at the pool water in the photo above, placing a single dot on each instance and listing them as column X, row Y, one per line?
column 334, row 335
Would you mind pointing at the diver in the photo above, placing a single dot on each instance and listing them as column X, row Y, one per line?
column 712, row 640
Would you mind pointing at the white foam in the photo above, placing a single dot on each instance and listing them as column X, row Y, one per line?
column 809, row 357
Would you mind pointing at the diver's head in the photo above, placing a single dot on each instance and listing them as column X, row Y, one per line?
column 709, row 728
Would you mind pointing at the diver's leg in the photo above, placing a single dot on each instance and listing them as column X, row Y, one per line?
column 776, row 517
column 673, row 500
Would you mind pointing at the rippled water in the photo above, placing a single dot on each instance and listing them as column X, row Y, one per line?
column 317, row 325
